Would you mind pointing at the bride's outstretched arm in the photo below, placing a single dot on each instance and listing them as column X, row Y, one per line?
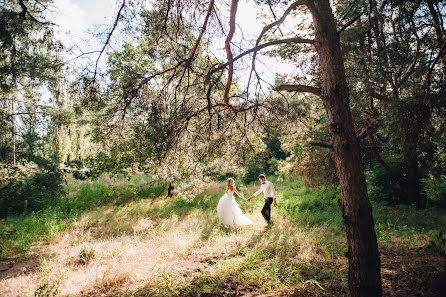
column 240, row 195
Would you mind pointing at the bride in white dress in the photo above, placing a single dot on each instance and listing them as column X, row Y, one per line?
column 228, row 210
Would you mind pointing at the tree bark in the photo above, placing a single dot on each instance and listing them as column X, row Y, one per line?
column 364, row 277
column 411, row 184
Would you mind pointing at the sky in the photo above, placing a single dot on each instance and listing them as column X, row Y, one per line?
column 75, row 18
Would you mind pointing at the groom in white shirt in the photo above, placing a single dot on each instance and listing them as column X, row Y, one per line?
column 269, row 194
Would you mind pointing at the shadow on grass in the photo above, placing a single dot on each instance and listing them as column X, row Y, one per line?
column 266, row 263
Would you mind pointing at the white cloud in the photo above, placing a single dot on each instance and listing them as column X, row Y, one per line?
column 76, row 18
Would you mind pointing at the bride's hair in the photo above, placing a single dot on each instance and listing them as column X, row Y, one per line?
column 228, row 186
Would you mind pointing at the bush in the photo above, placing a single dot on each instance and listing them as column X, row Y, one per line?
column 438, row 243
column 252, row 174
column 382, row 187
column 35, row 193
column 435, row 190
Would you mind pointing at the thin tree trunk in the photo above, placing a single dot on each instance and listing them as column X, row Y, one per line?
column 13, row 131
column 364, row 277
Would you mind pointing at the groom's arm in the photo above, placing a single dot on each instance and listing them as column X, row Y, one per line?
column 256, row 193
column 274, row 192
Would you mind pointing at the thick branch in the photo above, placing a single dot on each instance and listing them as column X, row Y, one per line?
column 379, row 96
column 298, row 88
column 26, row 12
column 431, row 69
column 321, row 144
column 262, row 46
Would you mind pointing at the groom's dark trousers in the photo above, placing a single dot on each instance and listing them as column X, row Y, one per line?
column 266, row 210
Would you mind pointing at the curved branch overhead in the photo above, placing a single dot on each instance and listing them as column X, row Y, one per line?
column 298, row 88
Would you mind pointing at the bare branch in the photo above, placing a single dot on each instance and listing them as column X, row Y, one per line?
column 115, row 24
column 379, row 96
column 274, row 15
column 364, row 133
column 431, row 69
column 298, row 88
column 349, row 23
column 203, row 29
column 265, row 29
column 25, row 12
column 234, row 5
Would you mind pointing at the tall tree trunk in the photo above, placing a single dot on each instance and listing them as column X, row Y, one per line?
column 364, row 277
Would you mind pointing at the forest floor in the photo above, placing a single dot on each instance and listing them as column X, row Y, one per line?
column 162, row 246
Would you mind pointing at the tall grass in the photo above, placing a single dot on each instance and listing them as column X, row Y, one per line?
column 19, row 233
column 116, row 219
column 318, row 207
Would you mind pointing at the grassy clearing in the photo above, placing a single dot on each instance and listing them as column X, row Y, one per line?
column 19, row 233
column 125, row 238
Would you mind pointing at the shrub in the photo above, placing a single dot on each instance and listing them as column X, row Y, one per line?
column 435, row 190
column 32, row 185
column 382, row 187
column 39, row 191
column 252, row 174
column 438, row 242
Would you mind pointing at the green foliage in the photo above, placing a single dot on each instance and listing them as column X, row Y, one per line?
column 403, row 221
column 17, row 233
column 435, row 190
column 438, row 242
column 85, row 256
column 252, row 174
column 47, row 290
column 98, row 193
column 95, row 166
column 28, row 48
column 317, row 207
column 266, row 162
column 31, row 193
column 382, row 187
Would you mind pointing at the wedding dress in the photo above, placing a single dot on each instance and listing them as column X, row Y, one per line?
column 230, row 213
